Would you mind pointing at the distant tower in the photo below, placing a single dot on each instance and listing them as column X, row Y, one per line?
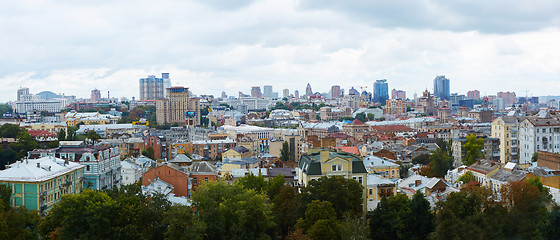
column 308, row 90
column 95, row 95
column 166, row 81
column 441, row 87
column 224, row 95
column 380, row 91
column 256, row 92
column 152, row 88
column 286, row 93
column 335, row 91
column 267, row 91
column 22, row 91
column 296, row 94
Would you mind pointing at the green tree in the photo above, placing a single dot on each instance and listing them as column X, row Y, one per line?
column 92, row 135
column 149, row 152
column 284, row 210
column 233, row 212
column 370, row 116
column 535, row 157
column 423, row 159
column 320, row 221
column 182, row 223
column 391, row 219
column 71, row 136
column 61, row 135
column 353, row 228
column 440, row 163
column 473, row 147
column 285, row 152
column 422, row 217
column 467, row 177
column 19, row 223
column 5, row 195
column 361, row 117
column 344, row 194
column 9, row 130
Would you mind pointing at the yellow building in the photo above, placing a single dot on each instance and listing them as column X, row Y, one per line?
column 377, row 188
column 73, row 118
column 37, row 184
column 328, row 162
column 506, row 129
column 181, row 148
column 382, row 167
column 238, row 152
column 53, row 128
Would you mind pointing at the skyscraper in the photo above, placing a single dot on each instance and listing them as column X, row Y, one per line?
column 95, row 95
column 179, row 107
column 296, row 94
column 380, row 91
column 335, row 91
column 152, row 88
column 441, row 87
column 267, row 91
column 308, row 90
column 475, row 94
column 256, row 92
column 286, row 93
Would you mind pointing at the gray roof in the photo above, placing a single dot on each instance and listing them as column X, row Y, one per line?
column 507, row 176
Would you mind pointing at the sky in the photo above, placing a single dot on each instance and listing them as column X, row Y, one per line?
column 211, row 46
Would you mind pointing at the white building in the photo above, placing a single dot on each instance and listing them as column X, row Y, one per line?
column 541, row 132
column 130, row 172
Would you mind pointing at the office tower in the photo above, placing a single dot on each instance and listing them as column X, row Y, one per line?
column 166, row 81
column 286, row 93
column 179, row 107
column 152, row 88
column 398, row 94
column 21, row 92
column 441, row 87
column 267, row 91
column 95, row 95
column 335, row 91
column 296, row 94
column 308, row 91
column 380, row 91
column 475, row 94
column 256, row 92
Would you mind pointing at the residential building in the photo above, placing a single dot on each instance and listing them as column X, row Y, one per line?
column 202, row 172
column 381, row 167
column 335, row 92
column 267, row 91
column 212, row 149
column 441, row 87
column 377, row 188
column 426, row 104
column 95, row 95
column 256, row 92
column 179, row 107
column 475, row 94
column 334, row 113
column 380, row 91
column 38, row 184
column 490, row 151
column 505, row 128
column 395, row 107
column 286, row 93
column 73, row 118
column 483, row 115
column 538, row 133
column 130, row 172
column 102, row 164
column 483, row 169
column 171, row 174
column 398, row 94
column 152, row 88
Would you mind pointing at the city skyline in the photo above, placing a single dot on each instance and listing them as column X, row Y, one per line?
column 73, row 48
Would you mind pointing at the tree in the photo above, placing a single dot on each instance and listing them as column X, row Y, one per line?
column 5, row 195
column 285, row 152
column 423, row 220
column 473, row 147
column 320, row 221
column 353, row 228
column 535, row 157
column 344, row 194
column 423, row 159
column 233, row 212
column 9, row 130
column 92, row 135
column 149, row 152
column 467, row 177
column 440, row 163
column 61, row 135
column 71, row 136
column 284, row 210
column 370, row 116
column 183, row 224
column 361, row 117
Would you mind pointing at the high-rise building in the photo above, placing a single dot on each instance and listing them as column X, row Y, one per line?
column 256, row 92
column 335, row 91
column 166, row 81
column 380, row 91
column 267, row 91
column 509, row 98
column 95, row 95
column 395, row 107
column 152, row 88
column 224, row 95
column 296, row 94
column 398, row 94
column 308, row 90
column 21, row 92
column 441, row 87
column 286, row 93
column 179, row 108
column 475, row 94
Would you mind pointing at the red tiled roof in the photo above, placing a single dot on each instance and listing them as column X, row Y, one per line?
column 350, row 149
column 392, row 128
column 40, row 133
column 357, row 122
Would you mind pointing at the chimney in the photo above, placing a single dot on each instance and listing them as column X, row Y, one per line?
column 417, row 182
column 38, row 165
column 66, row 162
column 325, row 154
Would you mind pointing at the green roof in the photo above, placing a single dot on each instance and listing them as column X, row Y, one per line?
column 311, row 163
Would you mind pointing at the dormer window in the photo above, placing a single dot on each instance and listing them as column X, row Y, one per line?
column 336, row 167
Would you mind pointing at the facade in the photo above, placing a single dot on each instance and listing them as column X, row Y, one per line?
column 377, row 188
column 490, row 151
column 95, row 95
column 506, row 129
column 286, row 93
column 538, row 133
column 475, row 94
column 179, row 108
column 335, row 92
column 398, row 94
column 426, row 104
column 483, row 115
column 395, row 107
column 441, row 87
column 152, row 88
column 202, row 172
column 38, row 184
column 267, row 91
column 212, row 149
column 256, row 92
column 102, row 164
column 170, row 174
column 380, row 91
column 330, row 113
column 381, row 167
column 130, row 172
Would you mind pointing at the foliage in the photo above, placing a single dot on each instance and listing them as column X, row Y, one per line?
column 423, row 159
column 149, row 152
column 361, row 117
column 398, row 217
column 370, row 116
column 285, row 152
column 271, row 188
column 439, row 164
column 16, row 150
column 320, row 221
column 344, row 194
column 467, row 177
column 71, row 136
column 535, row 157
column 62, row 135
column 5, row 108
column 353, row 228
column 92, row 135
column 403, row 170
column 284, row 210
column 183, row 224
column 473, row 147
column 9, row 130
column 233, row 212
column 18, row 223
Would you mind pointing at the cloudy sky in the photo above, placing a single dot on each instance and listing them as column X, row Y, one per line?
column 211, row 46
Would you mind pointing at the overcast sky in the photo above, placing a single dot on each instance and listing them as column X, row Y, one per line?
column 72, row 47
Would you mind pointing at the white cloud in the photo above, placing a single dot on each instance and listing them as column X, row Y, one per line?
column 73, row 47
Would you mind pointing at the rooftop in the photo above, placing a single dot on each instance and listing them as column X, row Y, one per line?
column 38, row 170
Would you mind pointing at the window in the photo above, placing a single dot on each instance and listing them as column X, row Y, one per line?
column 206, row 179
column 194, row 181
column 360, row 179
column 87, row 167
column 370, row 191
column 336, row 167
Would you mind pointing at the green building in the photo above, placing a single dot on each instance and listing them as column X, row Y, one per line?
column 38, row 184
